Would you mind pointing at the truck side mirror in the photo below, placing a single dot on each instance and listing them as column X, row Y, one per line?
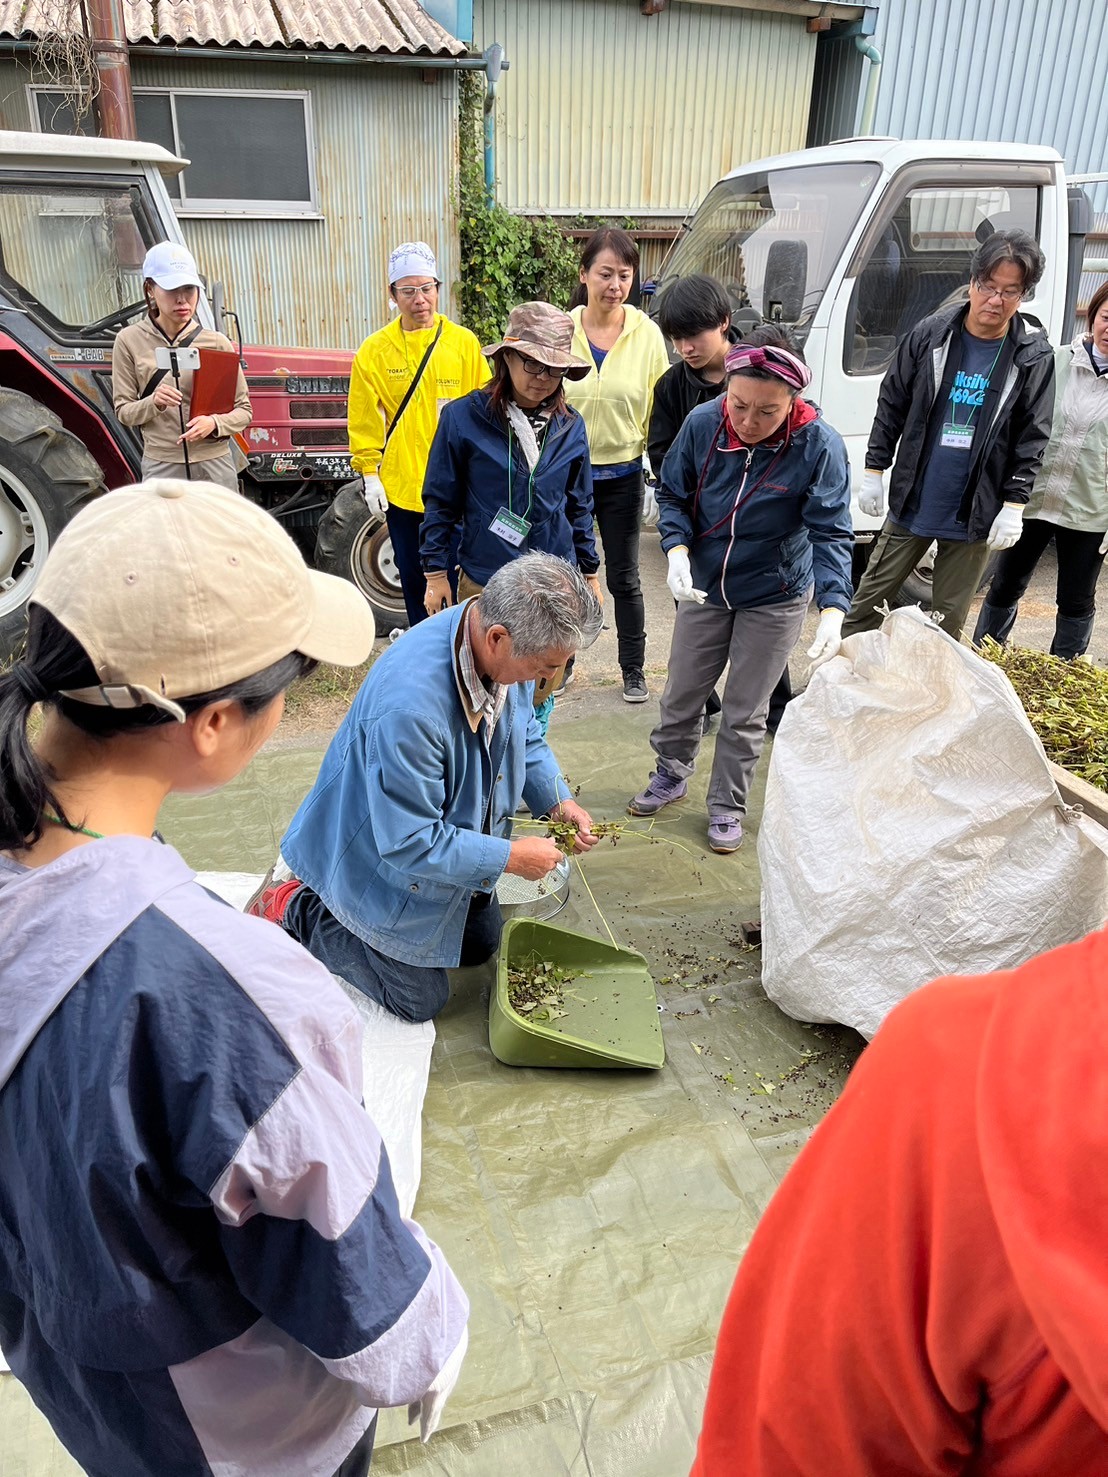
column 786, row 281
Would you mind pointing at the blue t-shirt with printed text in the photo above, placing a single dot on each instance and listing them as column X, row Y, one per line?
column 934, row 511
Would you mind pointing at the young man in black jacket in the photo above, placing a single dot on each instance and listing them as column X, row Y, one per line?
column 695, row 316
column 966, row 408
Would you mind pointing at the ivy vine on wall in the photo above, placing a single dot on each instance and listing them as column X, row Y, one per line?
column 505, row 259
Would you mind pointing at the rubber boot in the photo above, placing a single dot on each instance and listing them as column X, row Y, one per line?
column 995, row 621
column 1071, row 636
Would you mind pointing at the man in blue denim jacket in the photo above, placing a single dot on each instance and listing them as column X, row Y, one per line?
column 401, row 840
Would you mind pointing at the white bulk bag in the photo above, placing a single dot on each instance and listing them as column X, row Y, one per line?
column 912, row 829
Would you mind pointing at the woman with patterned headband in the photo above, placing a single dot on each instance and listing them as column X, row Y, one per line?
column 754, row 504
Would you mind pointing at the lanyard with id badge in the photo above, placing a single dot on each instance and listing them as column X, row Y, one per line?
column 958, row 436
column 509, row 525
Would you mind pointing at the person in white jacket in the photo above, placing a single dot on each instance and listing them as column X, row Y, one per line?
column 1069, row 502
column 203, row 1267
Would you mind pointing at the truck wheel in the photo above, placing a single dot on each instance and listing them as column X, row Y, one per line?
column 355, row 545
column 46, row 475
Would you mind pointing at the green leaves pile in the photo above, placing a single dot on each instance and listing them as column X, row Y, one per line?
column 1066, row 703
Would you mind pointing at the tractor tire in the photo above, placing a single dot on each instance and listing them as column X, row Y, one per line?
column 46, row 476
column 354, row 544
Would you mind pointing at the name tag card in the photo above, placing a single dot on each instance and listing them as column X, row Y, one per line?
column 510, row 527
column 958, row 438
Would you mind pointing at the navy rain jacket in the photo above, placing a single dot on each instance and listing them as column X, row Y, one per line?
column 760, row 522
column 467, row 484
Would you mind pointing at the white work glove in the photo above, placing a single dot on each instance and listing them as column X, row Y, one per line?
column 1103, row 545
column 679, row 578
column 649, row 506
column 829, row 637
column 1007, row 527
column 374, row 493
column 871, row 498
column 428, row 1411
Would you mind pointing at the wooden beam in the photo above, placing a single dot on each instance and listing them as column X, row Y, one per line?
column 803, row 9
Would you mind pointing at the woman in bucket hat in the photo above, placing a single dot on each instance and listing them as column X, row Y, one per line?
column 147, row 397
column 509, row 469
column 202, row 1263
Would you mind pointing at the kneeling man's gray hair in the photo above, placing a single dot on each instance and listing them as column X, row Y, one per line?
column 543, row 603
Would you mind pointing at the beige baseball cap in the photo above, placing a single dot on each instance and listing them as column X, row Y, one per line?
column 176, row 589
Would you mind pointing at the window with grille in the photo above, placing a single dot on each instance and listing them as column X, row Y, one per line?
column 249, row 153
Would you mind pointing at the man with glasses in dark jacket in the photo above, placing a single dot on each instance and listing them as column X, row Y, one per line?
column 966, row 409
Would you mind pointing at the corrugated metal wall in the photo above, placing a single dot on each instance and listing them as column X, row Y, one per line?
column 1028, row 71
column 385, row 146
column 607, row 112
column 836, row 90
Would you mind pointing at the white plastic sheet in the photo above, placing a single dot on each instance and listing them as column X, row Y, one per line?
column 396, row 1061
column 912, row 829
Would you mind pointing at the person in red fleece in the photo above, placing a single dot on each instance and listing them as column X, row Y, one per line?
column 928, row 1291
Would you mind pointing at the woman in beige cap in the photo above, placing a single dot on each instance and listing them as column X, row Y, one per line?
column 175, row 443
column 192, row 1191
column 509, row 470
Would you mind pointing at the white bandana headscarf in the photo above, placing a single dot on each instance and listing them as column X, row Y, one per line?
column 412, row 259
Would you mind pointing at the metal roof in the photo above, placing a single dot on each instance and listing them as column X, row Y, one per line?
column 396, row 27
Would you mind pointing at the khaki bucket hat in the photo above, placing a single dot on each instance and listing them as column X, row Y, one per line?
column 543, row 332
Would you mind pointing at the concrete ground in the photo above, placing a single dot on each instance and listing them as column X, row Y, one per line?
column 586, row 1211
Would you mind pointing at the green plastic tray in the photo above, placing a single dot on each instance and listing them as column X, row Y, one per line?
column 611, row 1017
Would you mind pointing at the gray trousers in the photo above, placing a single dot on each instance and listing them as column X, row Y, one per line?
column 958, row 570
column 757, row 643
column 219, row 469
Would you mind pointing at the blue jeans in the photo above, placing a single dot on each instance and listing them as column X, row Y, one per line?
column 404, row 525
column 413, row 992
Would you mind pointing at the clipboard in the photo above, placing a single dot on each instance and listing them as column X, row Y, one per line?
column 215, row 383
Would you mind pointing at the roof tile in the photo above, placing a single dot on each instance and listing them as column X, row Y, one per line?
column 396, row 27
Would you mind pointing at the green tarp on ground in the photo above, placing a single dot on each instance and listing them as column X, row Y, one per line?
column 594, row 1218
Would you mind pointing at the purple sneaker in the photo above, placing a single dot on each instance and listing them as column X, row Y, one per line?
column 662, row 790
column 725, row 833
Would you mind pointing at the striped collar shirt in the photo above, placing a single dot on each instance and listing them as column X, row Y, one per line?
column 478, row 700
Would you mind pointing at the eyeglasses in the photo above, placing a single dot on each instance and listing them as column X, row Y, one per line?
column 540, row 371
column 1008, row 294
column 421, row 289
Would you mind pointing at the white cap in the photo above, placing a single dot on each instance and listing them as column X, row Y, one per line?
column 170, row 266
column 412, row 259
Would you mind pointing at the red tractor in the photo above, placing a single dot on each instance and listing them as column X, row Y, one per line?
column 76, row 219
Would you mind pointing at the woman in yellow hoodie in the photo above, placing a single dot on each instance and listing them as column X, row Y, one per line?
column 628, row 355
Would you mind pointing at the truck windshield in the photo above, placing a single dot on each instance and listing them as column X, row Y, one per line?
column 773, row 240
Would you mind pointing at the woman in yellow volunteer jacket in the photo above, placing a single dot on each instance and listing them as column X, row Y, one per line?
column 628, row 355
column 391, row 424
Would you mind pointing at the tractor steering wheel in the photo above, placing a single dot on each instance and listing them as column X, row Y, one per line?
column 120, row 318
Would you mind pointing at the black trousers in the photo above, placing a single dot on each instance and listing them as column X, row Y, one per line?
column 1079, row 563
column 404, row 526
column 357, row 1463
column 617, row 503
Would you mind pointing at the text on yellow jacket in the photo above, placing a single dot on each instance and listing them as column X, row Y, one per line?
column 383, row 368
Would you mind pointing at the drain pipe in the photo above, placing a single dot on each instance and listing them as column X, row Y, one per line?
column 869, row 107
column 494, row 63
